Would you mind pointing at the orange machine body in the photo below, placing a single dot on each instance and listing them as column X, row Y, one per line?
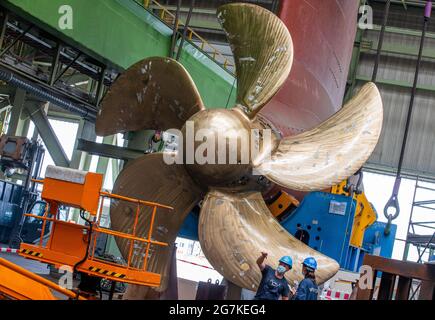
column 282, row 203
column 73, row 244
column 84, row 195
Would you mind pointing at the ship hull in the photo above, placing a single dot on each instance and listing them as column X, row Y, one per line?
column 323, row 34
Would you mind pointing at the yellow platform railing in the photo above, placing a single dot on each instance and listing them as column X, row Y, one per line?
column 191, row 35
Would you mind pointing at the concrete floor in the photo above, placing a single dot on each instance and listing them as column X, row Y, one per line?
column 42, row 269
column 30, row 265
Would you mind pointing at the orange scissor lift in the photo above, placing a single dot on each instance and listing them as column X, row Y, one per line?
column 71, row 244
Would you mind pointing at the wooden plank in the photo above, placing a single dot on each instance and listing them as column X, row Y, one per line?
column 401, row 268
column 407, row 271
column 366, row 294
column 234, row 292
column 427, row 290
column 387, row 286
column 403, row 288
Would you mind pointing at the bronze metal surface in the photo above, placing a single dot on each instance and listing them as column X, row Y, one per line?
column 226, row 140
column 330, row 153
column 262, row 49
column 155, row 93
column 218, row 133
column 150, row 178
column 234, row 228
column 235, row 224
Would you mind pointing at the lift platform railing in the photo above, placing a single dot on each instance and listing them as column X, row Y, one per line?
column 132, row 237
column 74, row 244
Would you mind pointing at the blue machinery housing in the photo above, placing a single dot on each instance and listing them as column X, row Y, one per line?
column 324, row 222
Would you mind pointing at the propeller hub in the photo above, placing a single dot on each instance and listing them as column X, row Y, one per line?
column 217, row 147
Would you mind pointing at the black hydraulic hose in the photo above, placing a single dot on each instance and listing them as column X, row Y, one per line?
column 186, row 26
column 414, row 89
column 381, row 40
column 100, row 290
column 82, row 215
column 46, row 96
column 174, row 35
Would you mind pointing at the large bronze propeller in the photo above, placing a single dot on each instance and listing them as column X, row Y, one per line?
column 235, row 224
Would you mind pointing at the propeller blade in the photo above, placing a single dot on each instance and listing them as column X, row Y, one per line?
column 155, row 93
column 263, row 52
column 335, row 150
column 234, row 228
column 149, row 178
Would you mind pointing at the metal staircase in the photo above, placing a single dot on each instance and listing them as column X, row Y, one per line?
column 421, row 232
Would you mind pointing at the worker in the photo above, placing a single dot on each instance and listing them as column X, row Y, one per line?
column 307, row 289
column 156, row 142
column 273, row 284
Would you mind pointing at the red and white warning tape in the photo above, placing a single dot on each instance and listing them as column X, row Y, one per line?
column 9, row 250
column 336, row 295
column 196, row 264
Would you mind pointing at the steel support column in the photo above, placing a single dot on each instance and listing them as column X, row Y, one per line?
column 57, row 77
column 115, row 169
column 81, row 160
column 356, row 55
column 186, row 26
column 18, row 103
column 55, row 64
column 100, row 87
column 3, row 28
column 108, row 151
column 47, row 133
column 23, row 124
column 15, row 40
column 103, row 162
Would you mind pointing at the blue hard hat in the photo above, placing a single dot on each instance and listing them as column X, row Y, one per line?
column 310, row 263
column 287, row 260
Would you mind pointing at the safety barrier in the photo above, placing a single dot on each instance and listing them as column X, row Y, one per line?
column 335, row 295
column 196, row 264
column 9, row 250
